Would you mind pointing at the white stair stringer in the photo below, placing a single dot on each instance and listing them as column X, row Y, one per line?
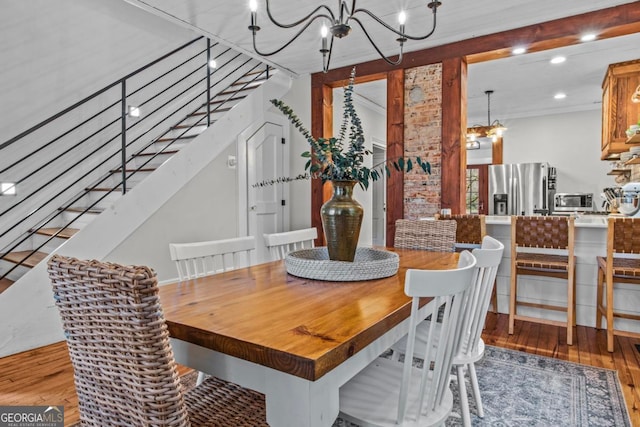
column 28, row 316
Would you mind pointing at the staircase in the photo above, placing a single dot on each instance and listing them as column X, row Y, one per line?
column 43, row 217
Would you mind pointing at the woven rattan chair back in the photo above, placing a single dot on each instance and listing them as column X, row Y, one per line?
column 426, row 235
column 280, row 244
column 118, row 342
column 199, row 259
column 470, row 229
column 556, row 233
column 124, row 368
column 623, row 237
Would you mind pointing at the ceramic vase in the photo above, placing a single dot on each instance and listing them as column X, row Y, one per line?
column 341, row 221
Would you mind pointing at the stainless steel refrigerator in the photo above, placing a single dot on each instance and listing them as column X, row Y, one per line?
column 521, row 189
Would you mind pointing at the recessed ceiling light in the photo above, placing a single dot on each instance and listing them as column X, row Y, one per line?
column 558, row 59
column 519, row 50
column 560, row 95
column 588, row 37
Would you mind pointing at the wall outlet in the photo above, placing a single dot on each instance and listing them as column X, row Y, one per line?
column 232, row 162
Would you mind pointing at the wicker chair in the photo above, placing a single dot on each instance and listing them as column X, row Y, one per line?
column 426, row 235
column 623, row 237
column 124, row 369
column 543, row 232
column 470, row 230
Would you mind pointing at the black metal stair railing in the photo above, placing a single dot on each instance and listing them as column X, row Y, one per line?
column 170, row 90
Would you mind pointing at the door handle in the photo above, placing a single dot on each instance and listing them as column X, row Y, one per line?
column 253, row 208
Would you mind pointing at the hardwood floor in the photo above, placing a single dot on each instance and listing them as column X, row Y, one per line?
column 44, row 376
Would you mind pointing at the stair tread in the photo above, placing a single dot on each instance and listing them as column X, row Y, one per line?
column 193, row 126
column 134, row 170
column 220, row 101
column 104, row 189
column 175, row 138
column 4, row 284
column 65, row 233
column 81, row 209
column 253, row 73
column 31, row 261
column 229, row 92
column 258, row 80
column 151, row 154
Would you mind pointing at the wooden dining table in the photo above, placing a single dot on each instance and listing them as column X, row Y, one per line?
column 296, row 340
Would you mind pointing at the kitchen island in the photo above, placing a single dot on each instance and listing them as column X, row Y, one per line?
column 590, row 241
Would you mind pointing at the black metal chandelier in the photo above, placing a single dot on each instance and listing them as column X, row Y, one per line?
column 339, row 25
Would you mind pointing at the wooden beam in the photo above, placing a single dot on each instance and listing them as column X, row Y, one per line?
column 395, row 149
column 610, row 22
column 321, row 126
column 454, row 126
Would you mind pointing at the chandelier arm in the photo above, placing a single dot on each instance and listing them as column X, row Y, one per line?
column 344, row 8
column 290, row 41
column 300, row 21
column 390, row 28
column 325, row 68
column 382, row 55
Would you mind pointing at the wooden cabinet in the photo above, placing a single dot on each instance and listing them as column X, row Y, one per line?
column 618, row 112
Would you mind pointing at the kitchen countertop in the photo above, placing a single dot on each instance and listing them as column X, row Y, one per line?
column 582, row 221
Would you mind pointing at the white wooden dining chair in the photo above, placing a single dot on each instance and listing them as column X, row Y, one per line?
column 280, row 244
column 391, row 393
column 199, row 259
column 471, row 348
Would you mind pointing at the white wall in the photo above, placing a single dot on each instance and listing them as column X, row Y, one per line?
column 299, row 98
column 206, row 208
column 570, row 142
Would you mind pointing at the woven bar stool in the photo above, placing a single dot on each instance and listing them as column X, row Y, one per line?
column 470, row 230
column 425, row 235
column 543, row 232
column 123, row 366
column 623, row 237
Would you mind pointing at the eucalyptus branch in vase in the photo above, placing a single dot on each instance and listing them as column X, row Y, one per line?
column 342, row 158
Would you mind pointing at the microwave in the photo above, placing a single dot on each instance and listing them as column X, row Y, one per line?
column 572, row 202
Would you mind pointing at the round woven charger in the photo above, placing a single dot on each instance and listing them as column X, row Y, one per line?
column 368, row 264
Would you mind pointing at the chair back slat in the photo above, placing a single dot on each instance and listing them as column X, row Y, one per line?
column 124, row 369
column 450, row 290
column 488, row 259
column 425, row 235
column 280, row 244
column 200, row 259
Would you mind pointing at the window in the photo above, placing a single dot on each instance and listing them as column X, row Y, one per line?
column 473, row 193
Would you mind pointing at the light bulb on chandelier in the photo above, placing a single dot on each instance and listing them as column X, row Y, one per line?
column 339, row 27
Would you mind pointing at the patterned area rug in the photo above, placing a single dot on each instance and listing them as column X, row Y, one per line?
column 521, row 389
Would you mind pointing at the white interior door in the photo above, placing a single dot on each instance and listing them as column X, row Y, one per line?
column 266, row 205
